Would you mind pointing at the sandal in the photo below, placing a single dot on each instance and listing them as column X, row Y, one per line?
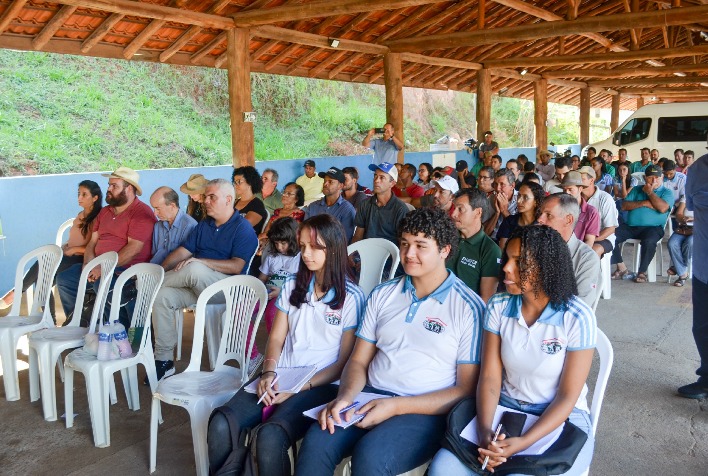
column 681, row 281
column 619, row 274
column 641, row 278
column 671, row 271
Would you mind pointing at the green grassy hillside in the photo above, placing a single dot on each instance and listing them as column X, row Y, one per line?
column 63, row 113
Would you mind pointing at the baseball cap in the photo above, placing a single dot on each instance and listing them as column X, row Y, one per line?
column 448, row 183
column 309, row 163
column 653, row 171
column 572, row 178
column 588, row 170
column 461, row 165
column 333, row 172
column 386, row 167
column 129, row 175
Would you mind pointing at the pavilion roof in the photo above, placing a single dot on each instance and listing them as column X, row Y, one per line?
column 648, row 48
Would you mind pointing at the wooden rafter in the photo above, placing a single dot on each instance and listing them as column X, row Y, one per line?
column 624, row 72
column 52, row 26
column 648, row 81
column 10, row 13
column 98, row 34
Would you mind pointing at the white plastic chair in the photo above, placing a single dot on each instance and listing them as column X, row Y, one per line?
column 374, row 252
column 13, row 326
column 641, row 179
column 201, row 392
column 62, row 229
column 657, row 266
column 606, row 275
column 46, row 345
column 99, row 374
column 598, row 292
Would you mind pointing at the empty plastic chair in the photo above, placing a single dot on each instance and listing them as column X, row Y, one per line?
column 13, row 326
column 99, row 374
column 46, row 345
column 374, row 253
column 201, row 392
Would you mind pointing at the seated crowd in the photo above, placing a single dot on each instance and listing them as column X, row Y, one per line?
column 477, row 246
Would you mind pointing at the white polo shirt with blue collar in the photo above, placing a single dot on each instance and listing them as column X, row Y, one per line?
column 533, row 357
column 420, row 342
column 315, row 329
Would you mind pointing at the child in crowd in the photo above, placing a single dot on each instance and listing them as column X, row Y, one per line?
column 282, row 261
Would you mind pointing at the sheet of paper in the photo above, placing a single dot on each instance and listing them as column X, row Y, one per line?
column 363, row 398
column 470, row 431
column 290, row 379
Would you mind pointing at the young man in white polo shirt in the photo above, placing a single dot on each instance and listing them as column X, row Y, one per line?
column 419, row 342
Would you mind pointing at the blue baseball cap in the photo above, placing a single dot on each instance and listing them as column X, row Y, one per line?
column 386, row 167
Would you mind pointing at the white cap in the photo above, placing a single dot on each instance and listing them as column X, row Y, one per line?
column 448, row 183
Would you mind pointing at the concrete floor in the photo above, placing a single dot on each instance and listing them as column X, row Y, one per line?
column 644, row 427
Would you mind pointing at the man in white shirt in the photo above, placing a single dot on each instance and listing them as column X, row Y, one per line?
column 605, row 205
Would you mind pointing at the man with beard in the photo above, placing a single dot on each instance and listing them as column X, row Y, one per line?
column 125, row 226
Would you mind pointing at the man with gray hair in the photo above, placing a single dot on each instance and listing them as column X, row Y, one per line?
column 220, row 246
column 173, row 226
column 269, row 194
column 503, row 200
column 560, row 211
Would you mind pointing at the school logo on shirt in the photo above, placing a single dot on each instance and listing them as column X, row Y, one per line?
column 472, row 263
column 552, row 346
column 333, row 318
column 433, row 324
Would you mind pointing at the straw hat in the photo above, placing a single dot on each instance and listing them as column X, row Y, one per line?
column 129, row 175
column 195, row 185
column 544, row 152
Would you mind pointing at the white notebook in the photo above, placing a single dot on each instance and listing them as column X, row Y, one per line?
column 362, row 399
column 290, row 379
column 470, row 431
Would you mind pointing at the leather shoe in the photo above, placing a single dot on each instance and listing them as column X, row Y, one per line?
column 695, row 390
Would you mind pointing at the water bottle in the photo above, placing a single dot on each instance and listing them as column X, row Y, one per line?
column 105, row 344
column 120, row 337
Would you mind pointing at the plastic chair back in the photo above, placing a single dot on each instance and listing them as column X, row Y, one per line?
column 60, row 232
column 265, row 223
column 374, row 253
column 641, row 180
column 598, row 291
column 48, row 258
column 242, row 294
column 606, row 354
column 107, row 262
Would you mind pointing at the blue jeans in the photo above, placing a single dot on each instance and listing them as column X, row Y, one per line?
column 392, row 447
column 649, row 236
column 272, row 441
column 446, row 464
column 680, row 250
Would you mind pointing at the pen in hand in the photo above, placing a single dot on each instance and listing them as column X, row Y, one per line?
column 266, row 392
column 496, row 436
column 346, row 409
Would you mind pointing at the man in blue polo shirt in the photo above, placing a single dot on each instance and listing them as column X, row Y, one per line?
column 648, row 208
column 419, row 342
column 220, row 246
column 385, row 149
column 333, row 203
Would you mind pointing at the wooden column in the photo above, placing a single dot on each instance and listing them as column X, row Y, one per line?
column 238, row 70
column 484, row 102
column 393, row 82
column 615, row 115
column 640, row 102
column 584, row 117
column 540, row 113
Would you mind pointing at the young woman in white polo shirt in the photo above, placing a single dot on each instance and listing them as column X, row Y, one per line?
column 539, row 340
column 318, row 311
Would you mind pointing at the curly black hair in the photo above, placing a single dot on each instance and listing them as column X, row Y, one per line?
column 545, row 263
column 538, row 196
column 251, row 176
column 432, row 223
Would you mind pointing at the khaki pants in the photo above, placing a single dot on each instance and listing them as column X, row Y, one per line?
column 180, row 289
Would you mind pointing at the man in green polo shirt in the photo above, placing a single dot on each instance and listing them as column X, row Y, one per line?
column 478, row 258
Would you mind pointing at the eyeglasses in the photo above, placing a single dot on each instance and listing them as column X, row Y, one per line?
column 485, row 177
column 289, row 194
column 239, row 182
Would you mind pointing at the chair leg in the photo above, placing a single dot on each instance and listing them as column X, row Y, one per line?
column 199, row 419
column 60, row 367
column 8, row 355
column 179, row 323
column 47, row 383
column 154, row 416
column 113, row 394
column 102, row 426
column 34, row 374
column 69, row 397
column 130, row 384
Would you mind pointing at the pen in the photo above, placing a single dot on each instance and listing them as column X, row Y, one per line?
column 346, row 409
column 496, row 435
column 271, row 386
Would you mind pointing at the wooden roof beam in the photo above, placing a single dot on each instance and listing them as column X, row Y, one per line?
column 101, row 31
column 648, row 81
column 687, row 91
column 565, row 60
column 319, row 8
column 205, row 50
column 191, row 32
column 623, row 72
column 292, row 47
column 318, row 41
column 10, row 14
column 621, row 21
column 156, row 12
column 52, row 26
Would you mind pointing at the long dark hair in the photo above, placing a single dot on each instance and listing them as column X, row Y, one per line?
column 327, row 229
column 429, row 168
column 545, row 259
column 95, row 191
column 284, row 229
column 628, row 179
column 195, row 209
column 538, row 196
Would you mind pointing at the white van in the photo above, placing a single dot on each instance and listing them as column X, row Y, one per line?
column 665, row 127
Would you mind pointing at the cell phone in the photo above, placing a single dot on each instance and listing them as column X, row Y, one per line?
column 379, row 130
column 512, row 423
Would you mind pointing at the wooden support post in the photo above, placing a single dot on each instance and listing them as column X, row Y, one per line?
column 640, row 101
column 615, row 115
column 394, row 95
column 484, row 102
column 239, row 73
column 584, row 117
column 540, row 113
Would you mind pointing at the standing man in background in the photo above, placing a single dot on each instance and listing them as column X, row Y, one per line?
column 385, row 149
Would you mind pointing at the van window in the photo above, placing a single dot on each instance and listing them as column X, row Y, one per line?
column 635, row 130
column 682, row 129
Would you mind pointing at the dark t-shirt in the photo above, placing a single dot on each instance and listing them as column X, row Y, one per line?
column 255, row 205
column 381, row 222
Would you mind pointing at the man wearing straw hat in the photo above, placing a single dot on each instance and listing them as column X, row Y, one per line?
column 125, row 226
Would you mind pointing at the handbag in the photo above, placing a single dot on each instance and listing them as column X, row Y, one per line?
column 557, row 459
column 684, row 230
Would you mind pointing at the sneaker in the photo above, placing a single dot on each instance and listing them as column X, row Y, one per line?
column 696, row 390
column 254, row 363
column 7, row 300
column 164, row 369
